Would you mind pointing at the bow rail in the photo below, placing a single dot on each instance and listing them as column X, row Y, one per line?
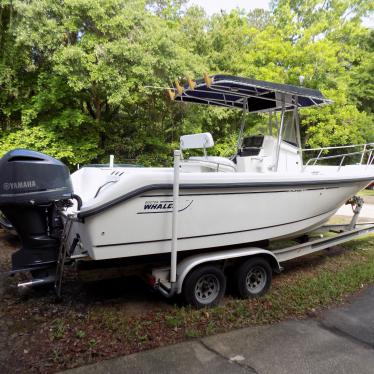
column 367, row 149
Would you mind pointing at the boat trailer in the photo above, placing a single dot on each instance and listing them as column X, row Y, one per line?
column 337, row 234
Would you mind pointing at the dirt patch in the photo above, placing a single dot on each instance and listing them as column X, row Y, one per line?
column 36, row 332
column 105, row 319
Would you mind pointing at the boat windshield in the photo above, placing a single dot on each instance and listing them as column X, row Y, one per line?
column 289, row 134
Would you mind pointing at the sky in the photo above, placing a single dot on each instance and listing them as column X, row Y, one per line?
column 214, row 6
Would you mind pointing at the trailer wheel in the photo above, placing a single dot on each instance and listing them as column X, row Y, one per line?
column 204, row 286
column 253, row 278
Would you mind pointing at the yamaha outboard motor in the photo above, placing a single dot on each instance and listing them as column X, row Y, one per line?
column 33, row 188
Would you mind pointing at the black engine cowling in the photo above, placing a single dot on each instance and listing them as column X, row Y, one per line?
column 33, row 187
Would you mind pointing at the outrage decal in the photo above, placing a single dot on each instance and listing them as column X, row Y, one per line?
column 163, row 206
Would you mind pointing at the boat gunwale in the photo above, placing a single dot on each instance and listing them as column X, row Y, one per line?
column 294, row 185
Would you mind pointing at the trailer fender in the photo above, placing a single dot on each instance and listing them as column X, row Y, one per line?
column 186, row 265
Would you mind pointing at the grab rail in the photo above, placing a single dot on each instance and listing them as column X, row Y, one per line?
column 337, row 147
column 366, row 150
column 216, row 164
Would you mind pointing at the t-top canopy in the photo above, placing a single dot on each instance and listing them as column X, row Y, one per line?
column 262, row 96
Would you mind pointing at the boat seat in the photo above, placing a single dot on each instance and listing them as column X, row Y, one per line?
column 216, row 163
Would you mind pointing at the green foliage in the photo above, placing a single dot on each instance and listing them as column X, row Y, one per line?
column 77, row 76
column 81, row 148
column 80, row 334
column 336, row 125
column 362, row 84
column 58, row 329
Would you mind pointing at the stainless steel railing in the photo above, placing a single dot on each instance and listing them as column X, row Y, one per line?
column 215, row 164
column 366, row 149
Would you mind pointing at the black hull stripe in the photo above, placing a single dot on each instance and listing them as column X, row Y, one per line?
column 223, row 194
column 295, row 185
column 218, row 234
column 246, row 193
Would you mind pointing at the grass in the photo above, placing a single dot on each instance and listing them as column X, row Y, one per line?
column 294, row 293
column 80, row 334
column 366, row 193
column 58, row 329
column 103, row 330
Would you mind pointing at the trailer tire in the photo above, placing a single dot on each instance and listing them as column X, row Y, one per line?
column 204, row 286
column 253, row 278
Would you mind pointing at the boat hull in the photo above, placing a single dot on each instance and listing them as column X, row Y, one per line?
column 210, row 217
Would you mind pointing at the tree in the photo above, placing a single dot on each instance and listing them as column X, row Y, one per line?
column 362, row 73
column 92, row 62
column 323, row 41
column 81, row 79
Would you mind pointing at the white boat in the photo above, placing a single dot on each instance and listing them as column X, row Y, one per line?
column 265, row 191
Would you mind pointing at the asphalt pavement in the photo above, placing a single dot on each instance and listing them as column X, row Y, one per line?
column 367, row 211
column 340, row 340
